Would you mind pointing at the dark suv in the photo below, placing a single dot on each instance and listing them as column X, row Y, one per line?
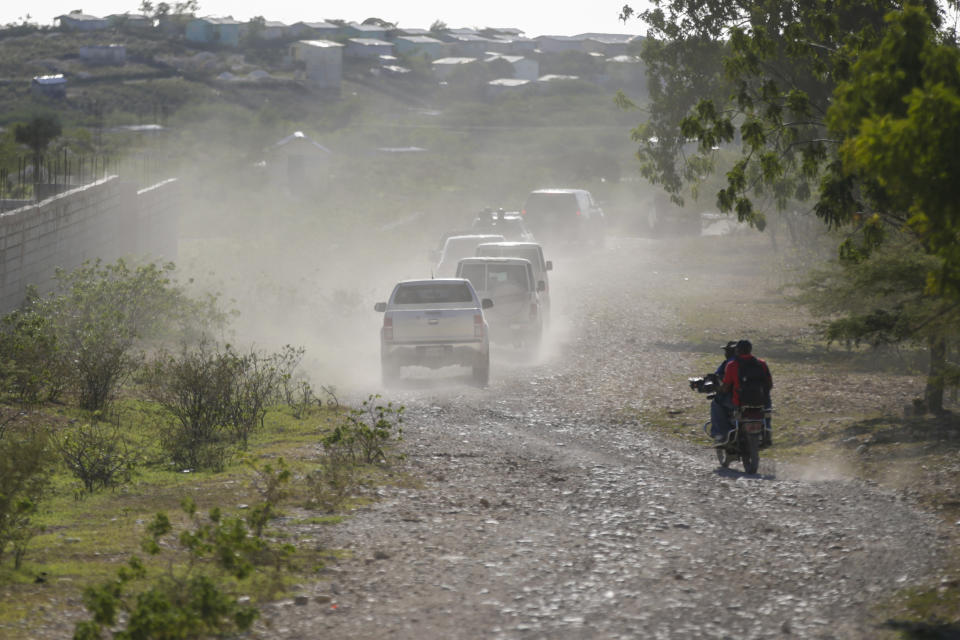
column 564, row 215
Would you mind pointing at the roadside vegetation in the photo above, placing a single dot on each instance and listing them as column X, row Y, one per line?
column 147, row 467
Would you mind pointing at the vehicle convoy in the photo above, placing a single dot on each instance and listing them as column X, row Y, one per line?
column 564, row 215
column 462, row 246
column 516, row 317
column 749, row 421
column 434, row 323
column 533, row 252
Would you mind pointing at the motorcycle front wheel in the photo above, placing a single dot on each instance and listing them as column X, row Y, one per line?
column 751, row 457
column 722, row 456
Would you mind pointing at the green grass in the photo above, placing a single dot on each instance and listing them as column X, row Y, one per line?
column 85, row 538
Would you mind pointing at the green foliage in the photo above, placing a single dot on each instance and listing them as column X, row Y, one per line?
column 898, row 116
column 29, row 366
column 767, row 71
column 879, row 299
column 195, row 387
column 272, row 484
column 361, row 437
column 25, row 467
column 300, row 396
column 364, row 434
column 38, row 133
column 87, row 334
column 858, row 99
column 217, row 398
column 198, row 598
column 99, row 455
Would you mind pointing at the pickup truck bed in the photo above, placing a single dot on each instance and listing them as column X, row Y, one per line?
column 434, row 323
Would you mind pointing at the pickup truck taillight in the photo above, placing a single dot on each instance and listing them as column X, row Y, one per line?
column 478, row 325
column 387, row 328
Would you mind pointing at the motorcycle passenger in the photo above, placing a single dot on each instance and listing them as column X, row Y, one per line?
column 744, row 372
column 722, row 406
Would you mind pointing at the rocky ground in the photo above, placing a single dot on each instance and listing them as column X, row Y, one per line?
column 548, row 507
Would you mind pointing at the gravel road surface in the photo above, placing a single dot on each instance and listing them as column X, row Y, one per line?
column 548, row 510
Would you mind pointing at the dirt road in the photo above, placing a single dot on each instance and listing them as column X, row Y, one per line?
column 548, row 510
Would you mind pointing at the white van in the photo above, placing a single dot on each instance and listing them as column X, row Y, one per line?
column 456, row 247
column 531, row 251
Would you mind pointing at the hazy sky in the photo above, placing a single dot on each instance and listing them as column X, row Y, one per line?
column 535, row 18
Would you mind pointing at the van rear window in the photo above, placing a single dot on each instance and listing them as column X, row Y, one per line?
column 551, row 203
column 433, row 293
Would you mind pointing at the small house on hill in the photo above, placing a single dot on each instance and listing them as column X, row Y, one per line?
column 222, row 31
column 297, row 163
column 315, row 30
column 523, row 68
column 429, row 47
column 104, row 54
column 445, row 67
column 356, row 30
column 82, row 22
column 131, row 22
column 367, row 48
column 273, row 30
column 322, row 60
column 54, row 86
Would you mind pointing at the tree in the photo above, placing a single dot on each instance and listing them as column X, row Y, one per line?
column 439, row 26
column 898, row 115
column 810, row 101
column 378, row 22
column 38, row 134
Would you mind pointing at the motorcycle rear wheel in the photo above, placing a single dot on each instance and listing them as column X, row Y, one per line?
column 751, row 457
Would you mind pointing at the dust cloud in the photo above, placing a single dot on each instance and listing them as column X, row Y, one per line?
column 301, row 242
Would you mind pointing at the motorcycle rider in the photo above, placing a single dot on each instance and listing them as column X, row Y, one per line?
column 721, row 408
column 749, row 366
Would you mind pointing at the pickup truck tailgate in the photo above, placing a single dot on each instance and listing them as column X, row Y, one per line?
column 434, row 325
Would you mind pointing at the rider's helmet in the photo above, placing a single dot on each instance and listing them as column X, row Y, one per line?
column 745, row 347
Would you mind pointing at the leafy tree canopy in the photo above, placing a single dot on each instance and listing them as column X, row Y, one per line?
column 38, row 133
column 757, row 76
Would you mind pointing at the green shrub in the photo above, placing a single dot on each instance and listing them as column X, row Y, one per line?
column 25, row 466
column 271, row 482
column 90, row 332
column 195, row 387
column 217, row 397
column 97, row 454
column 364, row 434
column 193, row 597
column 29, row 366
column 259, row 381
column 362, row 437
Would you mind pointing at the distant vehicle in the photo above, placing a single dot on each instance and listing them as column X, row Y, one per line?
column 457, row 247
column 531, row 251
column 516, row 317
column 564, row 215
column 507, row 223
column 434, row 323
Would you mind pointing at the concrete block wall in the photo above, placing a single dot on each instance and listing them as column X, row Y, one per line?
column 107, row 219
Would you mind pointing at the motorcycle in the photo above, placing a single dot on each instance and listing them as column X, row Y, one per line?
column 751, row 428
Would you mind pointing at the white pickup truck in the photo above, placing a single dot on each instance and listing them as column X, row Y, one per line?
column 434, row 323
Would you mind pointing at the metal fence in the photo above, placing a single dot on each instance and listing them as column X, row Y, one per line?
column 36, row 179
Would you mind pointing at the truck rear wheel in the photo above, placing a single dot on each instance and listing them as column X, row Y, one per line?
column 481, row 371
